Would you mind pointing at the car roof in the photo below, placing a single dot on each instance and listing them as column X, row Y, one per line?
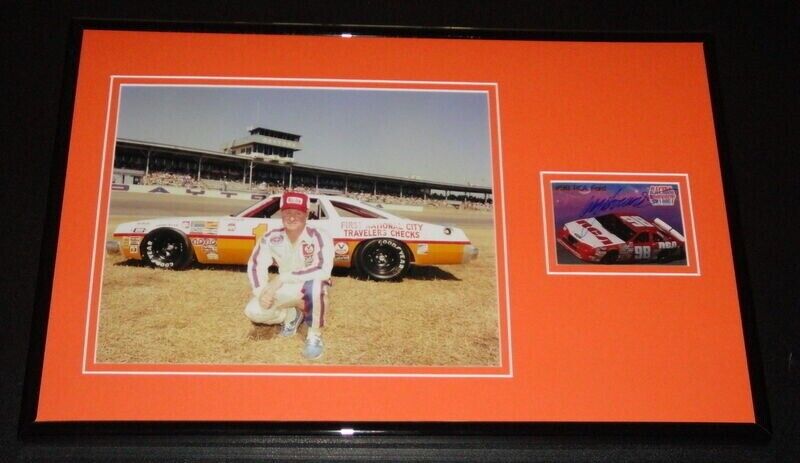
column 344, row 199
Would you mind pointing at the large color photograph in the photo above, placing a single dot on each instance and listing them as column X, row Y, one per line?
column 268, row 225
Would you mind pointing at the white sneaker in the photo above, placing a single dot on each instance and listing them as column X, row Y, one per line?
column 289, row 328
column 314, row 347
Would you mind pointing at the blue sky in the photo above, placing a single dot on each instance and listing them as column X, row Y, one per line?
column 441, row 136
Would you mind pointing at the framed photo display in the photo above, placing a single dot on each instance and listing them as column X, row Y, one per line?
column 524, row 230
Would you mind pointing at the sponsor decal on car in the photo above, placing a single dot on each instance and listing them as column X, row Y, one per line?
column 132, row 243
column 204, row 241
column 422, row 249
column 205, row 227
column 594, row 230
column 341, row 248
column 354, row 229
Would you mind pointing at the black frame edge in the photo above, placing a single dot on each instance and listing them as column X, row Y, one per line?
column 49, row 244
column 755, row 366
column 32, row 431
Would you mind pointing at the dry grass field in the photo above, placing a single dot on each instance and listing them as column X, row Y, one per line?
column 437, row 316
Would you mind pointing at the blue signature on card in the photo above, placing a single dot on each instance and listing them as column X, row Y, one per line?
column 597, row 205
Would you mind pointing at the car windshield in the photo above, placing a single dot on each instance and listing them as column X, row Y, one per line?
column 271, row 210
column 241, row 212
column 616, row 226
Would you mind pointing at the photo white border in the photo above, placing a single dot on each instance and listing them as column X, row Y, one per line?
column 546, row 230
column 101, row 226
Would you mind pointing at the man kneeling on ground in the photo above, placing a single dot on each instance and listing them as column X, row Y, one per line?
column 304, row 256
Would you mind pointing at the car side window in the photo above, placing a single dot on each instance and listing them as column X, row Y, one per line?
column 642, row 237
column 269, row 211
column 316, row 210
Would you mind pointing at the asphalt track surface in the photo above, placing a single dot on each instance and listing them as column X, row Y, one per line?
column 146, row 205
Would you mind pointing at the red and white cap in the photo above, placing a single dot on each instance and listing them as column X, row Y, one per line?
column 294, row 200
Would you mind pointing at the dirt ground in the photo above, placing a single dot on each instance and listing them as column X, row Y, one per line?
column 437, row 316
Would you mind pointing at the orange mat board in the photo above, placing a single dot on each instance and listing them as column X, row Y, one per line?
column 575, row 347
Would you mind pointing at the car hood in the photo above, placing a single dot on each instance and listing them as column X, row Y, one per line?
column 590, row 231
column 179, row 223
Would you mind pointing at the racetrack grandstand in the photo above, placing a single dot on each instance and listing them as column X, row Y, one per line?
column 260, row 168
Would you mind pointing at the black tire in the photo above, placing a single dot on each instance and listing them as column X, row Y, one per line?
column 167, row 249
column 383, row 259
column 610, row 257
column 668, row 256
column 673, row 254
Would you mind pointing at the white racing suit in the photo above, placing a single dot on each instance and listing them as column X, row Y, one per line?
column 304, row 270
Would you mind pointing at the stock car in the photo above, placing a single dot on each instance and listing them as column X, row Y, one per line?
column 378, row 244
column 619, row 238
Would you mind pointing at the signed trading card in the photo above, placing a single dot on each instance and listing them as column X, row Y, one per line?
column 601, row 223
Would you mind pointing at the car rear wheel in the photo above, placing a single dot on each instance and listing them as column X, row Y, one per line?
column 383, row 259
column 168, row 249
column 671, row 255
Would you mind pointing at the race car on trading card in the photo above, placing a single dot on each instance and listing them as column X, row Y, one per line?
column 619, row 238
column 378, row 244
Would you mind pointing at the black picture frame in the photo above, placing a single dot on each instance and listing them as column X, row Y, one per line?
column 329, row 435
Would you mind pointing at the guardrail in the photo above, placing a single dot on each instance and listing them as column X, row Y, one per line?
column 189, row 191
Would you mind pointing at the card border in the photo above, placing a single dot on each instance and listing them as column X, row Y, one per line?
column 548, row 228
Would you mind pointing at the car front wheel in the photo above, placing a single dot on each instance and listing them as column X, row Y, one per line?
column 383, row 259
column 168, row 249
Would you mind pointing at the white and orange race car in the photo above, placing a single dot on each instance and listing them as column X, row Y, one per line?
column 379, row 245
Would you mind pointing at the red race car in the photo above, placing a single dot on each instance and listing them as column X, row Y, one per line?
column 618, row 238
